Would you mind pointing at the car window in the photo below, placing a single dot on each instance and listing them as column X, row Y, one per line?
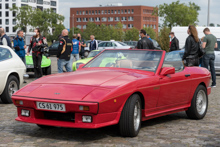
column 218, row 49
column 102, row 44
column 174, row 59
column 109, row 44
column 55, row 45
column 5, row 54
column 121, row 43
column 113, row 44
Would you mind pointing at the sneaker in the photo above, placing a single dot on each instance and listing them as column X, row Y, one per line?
column 213, row 86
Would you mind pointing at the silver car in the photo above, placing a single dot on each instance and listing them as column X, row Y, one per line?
column 113, row 45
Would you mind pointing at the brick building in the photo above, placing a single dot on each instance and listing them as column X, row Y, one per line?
column 129, row 16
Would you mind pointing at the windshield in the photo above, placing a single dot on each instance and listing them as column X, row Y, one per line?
column 93, row 53
column 123, row 44
column 132, row 59
column 174, row 56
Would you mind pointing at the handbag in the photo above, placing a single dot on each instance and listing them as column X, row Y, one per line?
column 201, row 51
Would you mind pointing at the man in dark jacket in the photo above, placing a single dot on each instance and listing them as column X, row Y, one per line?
column 144, row 43
column 19, row 45
column 4, row 40
column 64, row 52
column 174, row 42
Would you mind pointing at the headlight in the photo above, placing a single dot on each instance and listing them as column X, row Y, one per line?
column 77, row 65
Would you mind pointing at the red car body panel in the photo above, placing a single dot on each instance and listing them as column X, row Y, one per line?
column 106, row 90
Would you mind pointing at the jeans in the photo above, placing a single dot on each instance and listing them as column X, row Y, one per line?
column 37, row 58
column 208, row 60
column 61, row 63
column 76, row 56
column 23, row 59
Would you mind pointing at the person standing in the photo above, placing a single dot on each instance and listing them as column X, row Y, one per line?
column 83, row 45
column 37, row 42
column 209, row 44
column 64, row 53
column 93, row 44
column 4, row 40
column 144, row 43
column 76, row 48
column 174, row 45
column 19, row 45
column 192, row 46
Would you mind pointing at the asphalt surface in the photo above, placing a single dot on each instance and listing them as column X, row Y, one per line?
column 174, row 130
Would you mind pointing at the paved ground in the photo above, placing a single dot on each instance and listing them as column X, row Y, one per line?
column 174, row 130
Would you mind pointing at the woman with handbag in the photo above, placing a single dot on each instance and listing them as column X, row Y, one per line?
column 37, row 43
column 192, row 48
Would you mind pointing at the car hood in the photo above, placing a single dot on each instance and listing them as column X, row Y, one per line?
column 87, row 85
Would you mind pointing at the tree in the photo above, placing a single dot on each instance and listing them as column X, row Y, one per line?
column 91, row 29
column 119, row 32
column 76, row 31
column 211, row 24
column 177, row 13
column 163, row 38
column 23, row 17
column 151, row 32
column 132, row 34
column 57, row 31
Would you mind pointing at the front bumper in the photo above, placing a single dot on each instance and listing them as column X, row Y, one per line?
column 72, row 117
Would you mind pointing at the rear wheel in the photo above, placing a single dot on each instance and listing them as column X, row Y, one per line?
column 11, row 87
column 130, row 121
column 199, row 104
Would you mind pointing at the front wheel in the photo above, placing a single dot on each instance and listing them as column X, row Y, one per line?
column 11, row 87
column 130, row 121
column 199, row 104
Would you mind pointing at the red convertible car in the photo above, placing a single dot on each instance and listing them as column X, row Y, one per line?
column 121, row 87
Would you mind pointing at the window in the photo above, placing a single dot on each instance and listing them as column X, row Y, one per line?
column 95, row 12
column 79, row 26
column 130, row 18
column 104, row 19
column 122, row 11
column 46, row 3
column 125, row 11
column 128, row 11
column 5, row 54
column 40, row 2
column 77, row 12
column 115, row 11
column 13, row 5
column 130, row 25
column 119, row 11
column 14, row 21
column 7, row 21
column 124, row 26
column 14, row 14
column 86, row 12
column 39, row 7
column 0, row 6
column 83, row 12
column 97, row 19
column 99, row 11
column 85, row 19
column 102, row 44
column 6, row 14
column 32, row 1
column 0, row 21
column 54, row 10
column 6, row 6
column 84, row 26
column 112, row 12
column 78, row 19
column 123, row 18
column 154, row 26
column 89, row 12
column 105, row 11
column 23, row 5
column 117, row 18
column 92, row 12
column 0, row 13
column 7, row 29
column 91, row 19
column 108, row 11
column 132, row 10
column 110, row 19
column 26, row 1
column 53, row 3
column 102, row 11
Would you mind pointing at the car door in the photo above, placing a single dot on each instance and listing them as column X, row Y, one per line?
column 109, row 45
column 217, row 59
column 174, row 88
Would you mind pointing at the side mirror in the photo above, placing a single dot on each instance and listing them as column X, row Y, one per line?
column 167, row 70
column 81, row 66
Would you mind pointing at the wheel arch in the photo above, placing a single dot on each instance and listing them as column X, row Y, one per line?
column 203, row 84
column 16, row 75
column 142, row 99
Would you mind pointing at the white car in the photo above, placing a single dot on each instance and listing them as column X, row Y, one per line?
column 113, row 45
column 12, row 72
column 217, row 57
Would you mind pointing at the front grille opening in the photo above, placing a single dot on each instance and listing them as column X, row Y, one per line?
column 59, row 116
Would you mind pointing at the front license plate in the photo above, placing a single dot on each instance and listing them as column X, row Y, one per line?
column 51, row 106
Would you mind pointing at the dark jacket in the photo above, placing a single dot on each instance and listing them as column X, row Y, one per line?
column 65, row 48
column 145, row 43
column 34, row 47
column 7, row 39
column 93, row 45
column 174, row 44
column 191, row 51
column 19, row 46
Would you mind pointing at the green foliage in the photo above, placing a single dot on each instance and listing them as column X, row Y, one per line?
column 57, row 31
column 76, row 31
column 211, row 24
column 163, row 38
column 132, row 34
column 177, row 13
column 151, row 32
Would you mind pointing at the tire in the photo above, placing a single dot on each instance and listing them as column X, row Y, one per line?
column 44, row 126
column 86, row 54
column 128, row 125
column 11, row 87
column 199, row 104
column 48, row 70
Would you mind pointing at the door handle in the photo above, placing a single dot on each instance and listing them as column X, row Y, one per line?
column 187, row 75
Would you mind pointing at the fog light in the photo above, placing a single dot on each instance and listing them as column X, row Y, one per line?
column 25, row 113
column 18, row 102
column 87, row 119
column 84, row 108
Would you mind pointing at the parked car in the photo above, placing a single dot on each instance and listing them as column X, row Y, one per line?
column 118, row 86
column 86, row 49
column 45, row 64
column 113, row 45
column 131, row 43
column 12, row 72
column 156, row 44
column 92, row 54
column 53, row 49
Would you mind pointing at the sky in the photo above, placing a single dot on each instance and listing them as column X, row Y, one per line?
column 65, row 5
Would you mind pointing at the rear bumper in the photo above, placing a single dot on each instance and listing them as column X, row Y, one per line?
column 72, row 109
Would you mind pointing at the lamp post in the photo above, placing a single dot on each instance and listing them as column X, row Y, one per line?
column 208, row 13
column 73, row 24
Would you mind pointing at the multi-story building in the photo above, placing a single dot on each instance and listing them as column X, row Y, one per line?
column 7, row 17
column 129, row 16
